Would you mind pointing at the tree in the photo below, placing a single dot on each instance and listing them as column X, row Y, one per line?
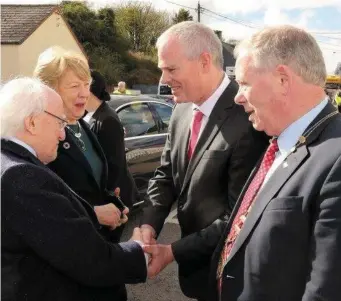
column 96, row 31
column 141, row 24
column 182, row 15
column 109, row 34
column 338, row 69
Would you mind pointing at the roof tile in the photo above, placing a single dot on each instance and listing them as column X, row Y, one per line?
column 19, row 21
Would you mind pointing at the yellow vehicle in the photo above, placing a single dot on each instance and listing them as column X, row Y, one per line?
column 333, row 82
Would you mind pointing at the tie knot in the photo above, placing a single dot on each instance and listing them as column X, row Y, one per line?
column 197, row 115
column 273, row 147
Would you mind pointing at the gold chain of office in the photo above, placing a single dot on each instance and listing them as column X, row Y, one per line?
column 303, row 138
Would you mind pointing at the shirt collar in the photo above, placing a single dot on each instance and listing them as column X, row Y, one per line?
column 23, row 144
column 289, row 137
column 208, row 105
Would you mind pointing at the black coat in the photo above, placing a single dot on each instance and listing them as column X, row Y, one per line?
column 110, row 134
column 51, row 248
column 290, row 245
column 207, row 187
column 73, row 167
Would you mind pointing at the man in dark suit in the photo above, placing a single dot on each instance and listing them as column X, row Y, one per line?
column 283, row 239
column 211, row 147
column 51, row 246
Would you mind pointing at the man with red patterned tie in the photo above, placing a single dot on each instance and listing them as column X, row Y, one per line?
column 283, row 238
column 211, row 147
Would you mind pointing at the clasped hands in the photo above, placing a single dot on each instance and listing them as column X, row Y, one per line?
column 109, row 215
column 159, row 255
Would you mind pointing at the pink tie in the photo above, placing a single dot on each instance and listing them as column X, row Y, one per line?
column 195, row 130
column 246, row 205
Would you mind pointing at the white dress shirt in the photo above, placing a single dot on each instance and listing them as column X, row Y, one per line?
column 207, row 107
column 289, row 137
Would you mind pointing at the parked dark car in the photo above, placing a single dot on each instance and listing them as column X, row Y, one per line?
column 145, row 120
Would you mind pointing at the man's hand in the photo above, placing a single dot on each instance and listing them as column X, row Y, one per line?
column 124, row 217
column 148, row 235
column 160, row 257
column 110, row 215
column 137, row 235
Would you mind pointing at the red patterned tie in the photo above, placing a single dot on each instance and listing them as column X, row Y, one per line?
column 195, row 130
column 246, row 205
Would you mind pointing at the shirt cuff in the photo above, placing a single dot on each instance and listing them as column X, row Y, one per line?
column 146, row 256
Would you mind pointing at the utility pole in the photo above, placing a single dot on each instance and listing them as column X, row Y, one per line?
column 199, row 8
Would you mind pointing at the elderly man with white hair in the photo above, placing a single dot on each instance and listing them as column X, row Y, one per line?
column 46, row 226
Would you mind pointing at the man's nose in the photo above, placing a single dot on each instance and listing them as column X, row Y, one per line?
column 239, row 99
column 165, row 78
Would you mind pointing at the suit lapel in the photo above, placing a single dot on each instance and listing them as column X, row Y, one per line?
column 270, row 189
column 281, row 175
column 69, row 147
column 220, row 113
column 184, row 130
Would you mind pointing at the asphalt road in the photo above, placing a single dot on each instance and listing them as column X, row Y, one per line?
column 165, row 287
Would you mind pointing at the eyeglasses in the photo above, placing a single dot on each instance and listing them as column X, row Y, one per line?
column 62, row 122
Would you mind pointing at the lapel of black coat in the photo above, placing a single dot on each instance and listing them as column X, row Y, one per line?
column 74, row 152
column 97, row 118
column 276, row 182
column 220, row 113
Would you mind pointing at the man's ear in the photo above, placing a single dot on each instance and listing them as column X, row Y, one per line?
column 205, row 61
column 30, row 123
column 283, row 78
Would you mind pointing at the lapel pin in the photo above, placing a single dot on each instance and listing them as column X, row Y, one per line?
column 66, row 145
column 302, row 139
column 285, row 164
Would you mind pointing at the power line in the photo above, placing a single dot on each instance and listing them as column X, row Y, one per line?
column 232, row 20
column 208, row 14
column 203, row 10
column 181, row 5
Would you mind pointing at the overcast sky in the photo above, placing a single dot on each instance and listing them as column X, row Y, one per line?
column 320, row 17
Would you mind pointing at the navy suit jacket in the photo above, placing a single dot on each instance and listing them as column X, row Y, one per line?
column 289, row 248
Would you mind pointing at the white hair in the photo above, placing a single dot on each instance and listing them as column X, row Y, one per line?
column 286, row 45
column 196, row 38
column 20, row 98
column 121, row 83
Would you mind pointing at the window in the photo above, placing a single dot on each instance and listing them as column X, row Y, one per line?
column 137, row 120
column 165, row 113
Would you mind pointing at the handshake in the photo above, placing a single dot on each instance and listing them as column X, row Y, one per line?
column 159, row 256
